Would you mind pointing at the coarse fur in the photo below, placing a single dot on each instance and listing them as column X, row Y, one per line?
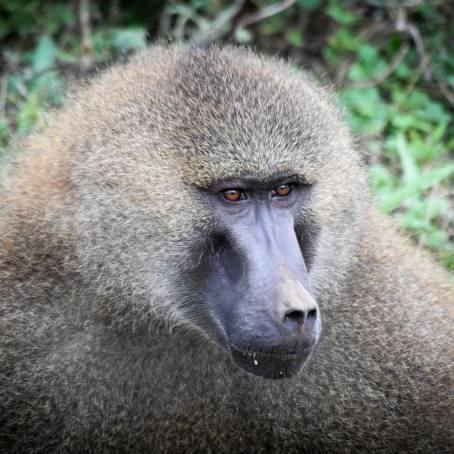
column 102, row 220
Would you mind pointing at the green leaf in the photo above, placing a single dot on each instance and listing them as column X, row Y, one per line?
column 409, row 166
column 435, row 238
column 268, row 28
column 381, row 178
column 129, row 39
column 417, row 185
column 294, row 37
column 448, row 259
column 433, row 111
column 308, row 4
column 56, row 16
column 28, row 114
column 438, row 132
column 344, row 40
column 368, row 54
column 243, row 35
column 337, row 12
column 363, row 100
column 44, row 55
column 403, row 121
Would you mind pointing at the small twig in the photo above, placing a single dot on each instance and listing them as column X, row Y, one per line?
column 319, row 68
column 370, row 30
column 85, row 31
column 264, row 13
column 66, row 67
column 180, row 26
column 341, row 71
column 218, row 29
column 3, row 88
column 398, row 57
column 402, row 25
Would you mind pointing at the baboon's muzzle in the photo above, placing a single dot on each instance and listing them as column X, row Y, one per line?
column 263, row 297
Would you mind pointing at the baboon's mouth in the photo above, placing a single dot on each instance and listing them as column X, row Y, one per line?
column 273, row 364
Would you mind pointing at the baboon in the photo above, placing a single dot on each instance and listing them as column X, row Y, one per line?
column 190, row 262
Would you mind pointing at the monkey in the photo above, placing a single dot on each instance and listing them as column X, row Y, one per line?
column 191, row 262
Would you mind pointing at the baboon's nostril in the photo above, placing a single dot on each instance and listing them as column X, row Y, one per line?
column 312, row 314
column 295, row 316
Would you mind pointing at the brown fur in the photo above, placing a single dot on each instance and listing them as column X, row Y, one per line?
column 100, row 220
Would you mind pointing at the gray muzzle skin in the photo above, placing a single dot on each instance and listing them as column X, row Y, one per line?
column 261, row 295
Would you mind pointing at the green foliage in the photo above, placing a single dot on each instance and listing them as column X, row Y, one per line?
column 339, row 13
column 409, row 130
column 40, row 42
column 398, row 97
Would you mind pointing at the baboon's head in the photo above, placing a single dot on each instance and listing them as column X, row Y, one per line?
column 218, row 189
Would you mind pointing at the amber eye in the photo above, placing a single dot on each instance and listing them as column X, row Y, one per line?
column 283, row 190
column 233, row 195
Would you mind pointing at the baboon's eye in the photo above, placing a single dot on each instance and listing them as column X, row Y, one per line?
column 283, row 190
column 233, row 195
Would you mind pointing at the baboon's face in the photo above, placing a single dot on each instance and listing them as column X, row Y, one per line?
column 226, row 197
column 255, row 276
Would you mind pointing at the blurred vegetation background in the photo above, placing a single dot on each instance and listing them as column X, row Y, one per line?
column 391, row 62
